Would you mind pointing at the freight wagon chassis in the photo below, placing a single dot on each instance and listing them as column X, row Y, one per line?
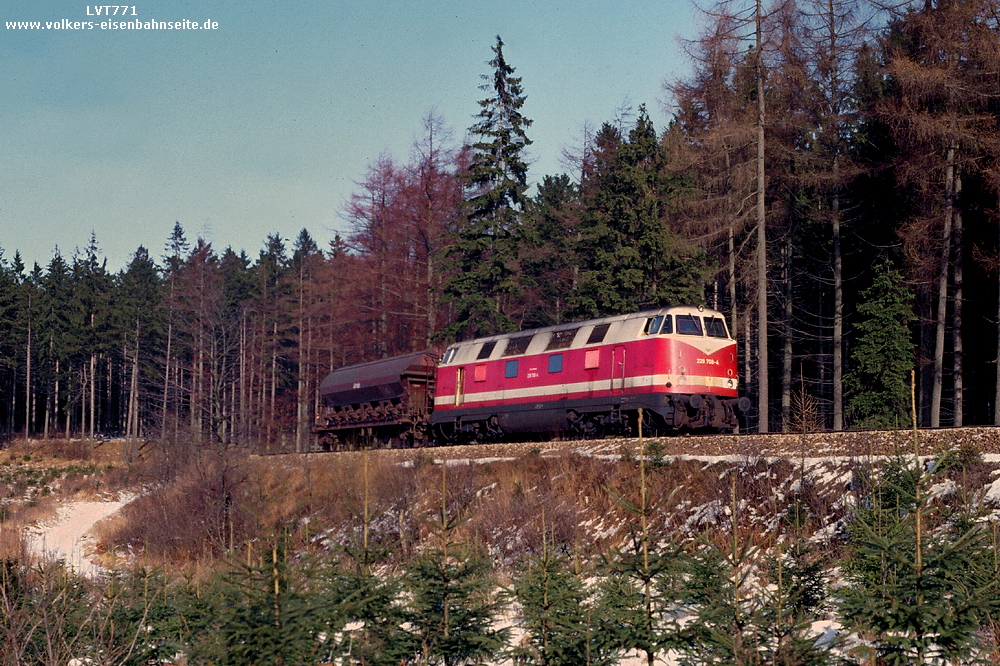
column 376, row 435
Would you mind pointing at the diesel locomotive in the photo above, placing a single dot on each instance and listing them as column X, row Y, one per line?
column 675, row 366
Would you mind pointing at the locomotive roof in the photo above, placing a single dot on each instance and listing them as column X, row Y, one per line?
column 673, row 309
column 629, row 325
column 377, row 373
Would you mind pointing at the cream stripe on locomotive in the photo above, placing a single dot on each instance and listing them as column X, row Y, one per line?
column 553, row 390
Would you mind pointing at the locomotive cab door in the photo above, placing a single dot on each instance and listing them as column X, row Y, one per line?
column 618, row 370
column 459, row 385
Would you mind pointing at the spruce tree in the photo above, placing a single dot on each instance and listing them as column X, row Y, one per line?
column 630, row 258
column 132, row 624
column 549, row 266
column 749, row 606
column 921, row 580
column 883, row 353
column 138, row 305
column 793, row 597
column 453, row 598
column 10, row 280
column 93, row 328
column 554, row 612
column 54, row 339
column 367, row 594
column 642, row 589
column 483, row 258
column 267, row 612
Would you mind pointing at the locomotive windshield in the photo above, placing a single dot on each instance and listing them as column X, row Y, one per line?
column 715, row 327
column 688, row 325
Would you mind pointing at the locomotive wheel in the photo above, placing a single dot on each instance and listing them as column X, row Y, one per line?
column 593, row 428
column 585, row 426
column 492, row 430
column 653, row 424
column 446, row 433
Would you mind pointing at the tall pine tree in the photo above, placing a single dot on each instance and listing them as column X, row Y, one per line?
column 483, row 259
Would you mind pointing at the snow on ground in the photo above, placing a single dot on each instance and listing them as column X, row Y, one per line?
column 66, row 536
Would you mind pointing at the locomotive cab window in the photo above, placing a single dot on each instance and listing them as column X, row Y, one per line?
column 715, row 327
column 517, row 346
column 688, row 325
column 449, row 355
column 653, row 325
column 486, row 350
column 510, row 369
column 597, row 335
column 668, row 325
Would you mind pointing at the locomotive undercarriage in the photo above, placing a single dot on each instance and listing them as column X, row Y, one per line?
column 661, row 415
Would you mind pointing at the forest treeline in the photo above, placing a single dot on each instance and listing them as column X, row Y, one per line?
column 828, row 176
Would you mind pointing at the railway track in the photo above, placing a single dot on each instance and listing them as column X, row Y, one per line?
column 857, row 443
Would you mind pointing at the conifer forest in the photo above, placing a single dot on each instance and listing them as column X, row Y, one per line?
column 827, row 179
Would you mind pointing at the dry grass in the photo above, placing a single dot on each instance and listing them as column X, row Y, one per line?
column 218, row 503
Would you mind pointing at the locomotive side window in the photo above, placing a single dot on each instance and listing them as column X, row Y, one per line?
column 597, row 335
column 561, row 339
column 653, row 325
column 555, row 363
column 510, row 369
column 715, row 327
column 517, row 346
column 688, row 325
column 486, row 350
column 449, row 355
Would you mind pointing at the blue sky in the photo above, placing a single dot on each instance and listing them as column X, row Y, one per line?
column 264, row 124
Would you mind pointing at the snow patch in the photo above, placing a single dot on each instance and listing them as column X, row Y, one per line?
column 66, row 538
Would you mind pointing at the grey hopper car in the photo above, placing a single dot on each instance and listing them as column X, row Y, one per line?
column 381, row 403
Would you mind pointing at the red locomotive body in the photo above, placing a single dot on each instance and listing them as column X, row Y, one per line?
column 675, row 366
column 591, row 378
